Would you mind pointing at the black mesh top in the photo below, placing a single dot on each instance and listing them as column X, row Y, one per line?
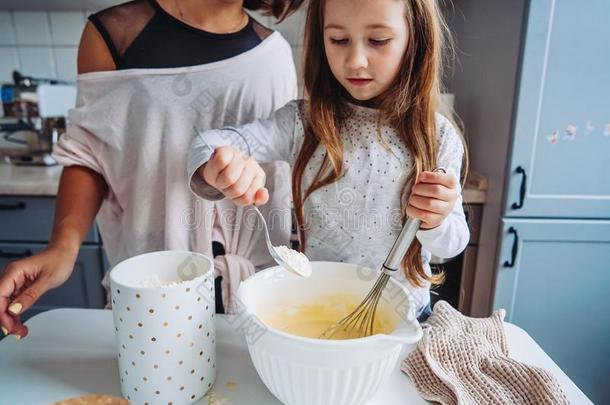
column 141, row 34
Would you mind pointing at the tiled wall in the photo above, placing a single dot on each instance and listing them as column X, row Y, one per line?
column 39, row 44
column 45, row 43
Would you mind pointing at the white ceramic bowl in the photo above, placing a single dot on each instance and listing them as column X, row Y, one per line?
column 307, row 371
column 165, row 334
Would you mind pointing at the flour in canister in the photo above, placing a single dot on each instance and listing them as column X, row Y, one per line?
column 296, row 260
column 154, row 281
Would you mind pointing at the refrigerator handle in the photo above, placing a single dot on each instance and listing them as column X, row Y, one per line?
column 514, row 250
column 516, row 206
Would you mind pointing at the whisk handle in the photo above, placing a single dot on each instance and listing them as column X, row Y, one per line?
column 401, row 245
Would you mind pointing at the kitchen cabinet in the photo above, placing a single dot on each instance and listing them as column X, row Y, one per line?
column 552, row 280
column 557, row 170
column 26, row 218
column 562, row 124
column 532, row 88
column 25, row 226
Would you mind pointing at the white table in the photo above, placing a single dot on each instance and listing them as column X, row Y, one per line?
column 71, row 352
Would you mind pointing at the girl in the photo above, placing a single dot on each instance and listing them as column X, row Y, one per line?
column 150, row 71
column 362, row 147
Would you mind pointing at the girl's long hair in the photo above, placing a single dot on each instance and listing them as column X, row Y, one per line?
column 409, row 106
column 280, row 9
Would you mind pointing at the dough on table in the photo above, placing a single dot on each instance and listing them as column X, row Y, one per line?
column 94, row 400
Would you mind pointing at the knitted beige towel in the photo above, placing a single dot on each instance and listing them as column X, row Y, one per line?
column 462, row 360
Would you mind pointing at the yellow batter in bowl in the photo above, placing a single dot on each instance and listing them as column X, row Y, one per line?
column 311, row 319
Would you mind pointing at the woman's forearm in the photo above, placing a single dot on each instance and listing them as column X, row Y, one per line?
column 80, row 195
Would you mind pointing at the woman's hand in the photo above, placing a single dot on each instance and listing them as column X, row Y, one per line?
column 433, row 198
column 24, row 281
column 236, row 175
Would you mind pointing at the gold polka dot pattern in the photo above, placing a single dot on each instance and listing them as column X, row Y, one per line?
column 165, row 337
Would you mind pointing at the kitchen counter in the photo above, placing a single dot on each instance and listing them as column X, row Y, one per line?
column 43, row 181
column 71, row 352
column 29, row 180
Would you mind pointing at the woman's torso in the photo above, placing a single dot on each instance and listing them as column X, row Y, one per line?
column 141, row 34
column 137, row 125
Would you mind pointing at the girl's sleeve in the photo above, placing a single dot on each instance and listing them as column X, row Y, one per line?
column 451, row 237
column 275, row 138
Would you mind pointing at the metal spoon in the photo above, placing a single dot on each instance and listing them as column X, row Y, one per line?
column 275, row 254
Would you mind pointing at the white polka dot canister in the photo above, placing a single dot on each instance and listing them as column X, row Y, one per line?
column 163, row 309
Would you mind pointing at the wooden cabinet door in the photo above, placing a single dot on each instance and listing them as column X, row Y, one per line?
column 553, row 280
column 561, row 146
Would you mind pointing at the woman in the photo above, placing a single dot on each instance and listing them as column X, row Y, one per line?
column 151, row 74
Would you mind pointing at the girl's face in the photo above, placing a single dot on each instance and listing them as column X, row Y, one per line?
column 365, row 41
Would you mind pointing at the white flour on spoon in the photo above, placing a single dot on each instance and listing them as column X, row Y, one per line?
column 297, row 261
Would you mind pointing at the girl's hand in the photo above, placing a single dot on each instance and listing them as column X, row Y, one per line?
column 433, row 198
column 236, row 175
column 24, row 281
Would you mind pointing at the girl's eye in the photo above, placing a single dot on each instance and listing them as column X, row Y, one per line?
column 340, row 41
column 379, row 42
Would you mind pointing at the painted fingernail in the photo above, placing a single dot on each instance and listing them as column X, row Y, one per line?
column 5, row 331
column 15, row 308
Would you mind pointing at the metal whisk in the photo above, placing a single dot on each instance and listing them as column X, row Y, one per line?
column 360, row 322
